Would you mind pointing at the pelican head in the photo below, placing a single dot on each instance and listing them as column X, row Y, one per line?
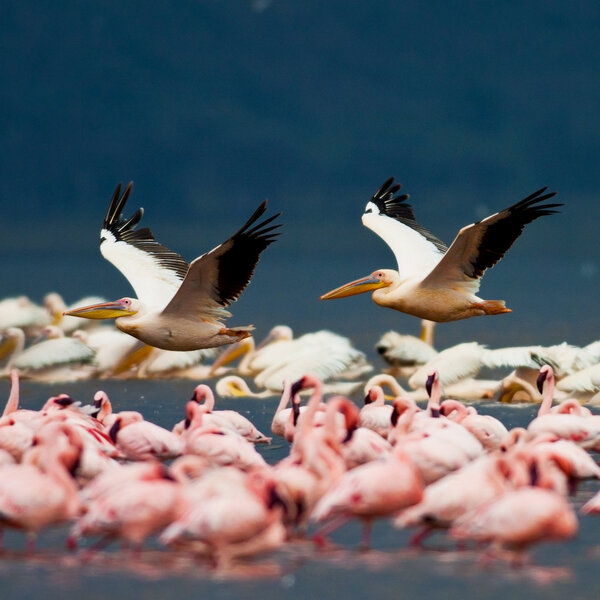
column 107, row 310
column 378, row 279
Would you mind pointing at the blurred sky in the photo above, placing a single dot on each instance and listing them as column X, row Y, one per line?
column 213, row 106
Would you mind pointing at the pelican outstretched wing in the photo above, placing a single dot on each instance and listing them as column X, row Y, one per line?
column 154, row 272
column 481, row 245
column 217, row 278
column 417, row 251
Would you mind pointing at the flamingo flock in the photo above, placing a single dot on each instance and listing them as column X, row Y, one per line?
column 203, row 487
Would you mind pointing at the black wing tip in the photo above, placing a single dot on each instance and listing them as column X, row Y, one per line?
column 116, row 205
column 260, row 229
column 537, row 197
column 387, row 191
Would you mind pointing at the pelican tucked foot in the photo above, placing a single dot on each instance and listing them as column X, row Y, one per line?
column 238, row 333
column 492, row 307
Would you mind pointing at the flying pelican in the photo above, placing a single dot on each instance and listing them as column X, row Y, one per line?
column 178, row 306
column 434, row 282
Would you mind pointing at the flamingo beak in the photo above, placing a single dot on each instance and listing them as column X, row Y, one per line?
column 540, row 381
column 429, row 384
column 104, row 310
column 360, row 286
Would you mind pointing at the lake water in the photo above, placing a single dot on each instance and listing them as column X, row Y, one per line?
column 391, row 569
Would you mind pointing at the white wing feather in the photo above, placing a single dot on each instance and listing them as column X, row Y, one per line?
column 416, row 255
column 50, row 353
column 154, row 284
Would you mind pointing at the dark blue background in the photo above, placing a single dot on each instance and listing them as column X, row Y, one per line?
column 210, row 107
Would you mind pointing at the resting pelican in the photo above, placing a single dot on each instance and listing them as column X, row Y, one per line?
column 55, row 358
column 434, row 282
column 23, row 313
column 322, row 353
column 178, row 306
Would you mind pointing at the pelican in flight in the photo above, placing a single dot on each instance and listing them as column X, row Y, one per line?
column 434, row 282
column 178, row 306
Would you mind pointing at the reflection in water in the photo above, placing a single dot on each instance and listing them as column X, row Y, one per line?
column 157, row 564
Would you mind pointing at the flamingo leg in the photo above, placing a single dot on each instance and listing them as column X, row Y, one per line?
column 419, row 537
column 30, row 542
column 365, row 542
column 336, row 523
column 97, row 546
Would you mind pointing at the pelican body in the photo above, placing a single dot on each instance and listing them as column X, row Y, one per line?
column 434, row 282
column 178, row 306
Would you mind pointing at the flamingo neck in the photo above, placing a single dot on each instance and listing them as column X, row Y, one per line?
column 454, row 410
column 433, row 404
column 547, row 395
column 12, row 404
column 204, row 396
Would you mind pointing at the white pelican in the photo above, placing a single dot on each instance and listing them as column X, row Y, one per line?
column 116, row 353
column 325, row 354
column 434, row 282
column 21, row 312
column 404, row 353
column 233, row 386
column 55, row 358
column 178, row 306
column 161, row 364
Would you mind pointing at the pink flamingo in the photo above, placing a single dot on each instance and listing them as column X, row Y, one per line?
column 104, row 413
column 132, row 508
column 488, row 430
column 309, row 447
column 433, row 450
column 519, row 518
column 432, row 422
column 204, row 395
column 315, row 460
column 458, row 494
column 372, row 490
column 357, row 445
column 585, row 431
column 138, row 439
column 376, row 414
column 40, row 492
column 286, row 419
column 216, row 445
column 242, row 518
column 15, row 438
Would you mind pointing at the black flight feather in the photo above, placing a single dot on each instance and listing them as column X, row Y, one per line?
column 124, row 230
column 237, row 263
column 501, row 233
column 397, row 208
